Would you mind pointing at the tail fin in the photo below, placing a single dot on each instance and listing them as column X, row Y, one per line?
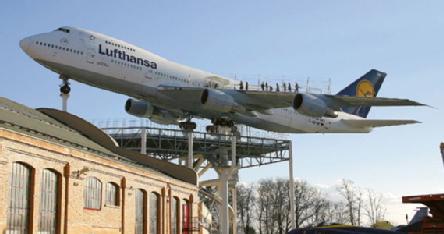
column 366, row 86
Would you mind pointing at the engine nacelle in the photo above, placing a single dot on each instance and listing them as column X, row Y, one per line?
column 311, row 105
column 216, row 100
column 144, row 109
column 139, row 108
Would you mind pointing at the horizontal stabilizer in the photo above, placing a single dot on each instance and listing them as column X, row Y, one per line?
column 364, row 123
column 348, row 101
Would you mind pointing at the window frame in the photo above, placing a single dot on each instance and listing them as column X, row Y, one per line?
column 11, row 210
column 87, row 193
column 57, row 200
column 144, row 212
column 158, row 214
column 116, row 194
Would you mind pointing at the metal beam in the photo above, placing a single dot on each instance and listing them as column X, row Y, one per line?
column 291, row 188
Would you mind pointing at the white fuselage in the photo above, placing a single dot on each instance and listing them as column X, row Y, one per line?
column 115, row 65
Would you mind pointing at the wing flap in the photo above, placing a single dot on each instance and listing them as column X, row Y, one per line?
column 262, row 100
column 365, row 123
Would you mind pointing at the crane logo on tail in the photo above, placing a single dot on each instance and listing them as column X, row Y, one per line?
column 365, row 88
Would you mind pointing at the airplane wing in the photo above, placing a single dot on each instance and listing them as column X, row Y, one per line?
column 248, row 100
column 350, row 101
column 366, row 123
column 265, row 99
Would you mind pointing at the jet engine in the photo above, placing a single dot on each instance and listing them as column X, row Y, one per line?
column 216, row 100
column 139, row 108
column 313, row 106
column 145, row 109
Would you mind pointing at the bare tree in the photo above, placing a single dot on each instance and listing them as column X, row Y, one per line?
column 265, row 205
column 353, row 201
column 374, row 209
column 281, row 205
column 245, row 200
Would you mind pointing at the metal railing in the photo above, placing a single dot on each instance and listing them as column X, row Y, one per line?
column 170, row 144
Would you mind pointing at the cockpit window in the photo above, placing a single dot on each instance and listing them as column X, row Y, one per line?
column 63, row 30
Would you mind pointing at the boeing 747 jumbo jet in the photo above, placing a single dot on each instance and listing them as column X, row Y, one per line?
column 168, row 92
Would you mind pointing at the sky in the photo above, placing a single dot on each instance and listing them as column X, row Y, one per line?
column 337, row 40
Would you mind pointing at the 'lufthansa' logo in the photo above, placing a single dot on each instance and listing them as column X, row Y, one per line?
column 365, row 89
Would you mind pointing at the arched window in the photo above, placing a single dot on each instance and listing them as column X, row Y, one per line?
column 112, row 194
column 49, row 202
column 140, row 211
column 154, row 213
column 92, row 194
column 20, row 198
column 175, row 209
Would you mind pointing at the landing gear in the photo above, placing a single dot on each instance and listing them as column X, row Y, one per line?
column 222, row 126
column 64, row 92
column 222, row 122
column 187, row 125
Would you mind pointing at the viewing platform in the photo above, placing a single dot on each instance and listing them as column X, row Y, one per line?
column 170, row 144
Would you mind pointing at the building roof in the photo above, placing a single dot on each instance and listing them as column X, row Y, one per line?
column 71, row 131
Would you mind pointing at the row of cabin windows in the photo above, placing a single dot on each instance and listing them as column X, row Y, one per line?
column 171, row 77
column 49, row 45
column 119, row 46
column 126, row 64
column 20, row 190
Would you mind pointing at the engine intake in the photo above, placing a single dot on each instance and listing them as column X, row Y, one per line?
column 139, row 108
column 313, row 106
column 216, row 100
column 156, row 114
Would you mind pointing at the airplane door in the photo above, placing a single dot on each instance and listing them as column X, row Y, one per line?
column 90, row 55
column 89, row 41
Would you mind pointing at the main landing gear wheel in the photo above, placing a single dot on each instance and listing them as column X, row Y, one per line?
column 188, row 125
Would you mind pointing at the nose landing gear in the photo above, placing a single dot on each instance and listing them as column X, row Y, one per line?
column 65, row 89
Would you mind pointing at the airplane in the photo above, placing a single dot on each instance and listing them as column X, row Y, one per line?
column 167, row 92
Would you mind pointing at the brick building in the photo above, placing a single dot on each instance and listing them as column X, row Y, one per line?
column 60, row 174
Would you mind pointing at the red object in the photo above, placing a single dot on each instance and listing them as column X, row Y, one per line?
column 186, row 221
column 435, row 203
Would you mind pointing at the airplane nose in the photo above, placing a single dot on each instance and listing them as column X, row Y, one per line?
column 25, row 43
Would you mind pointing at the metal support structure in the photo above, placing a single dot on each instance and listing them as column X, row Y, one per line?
column 233, row 191
column 291, row 188
column 233, row 151
column 189, row 127
column 205, row 169
column 213, row 150
column 234, row 206
column 190, row 149
column 224, row 177
column 64, row 101
column 143, row 138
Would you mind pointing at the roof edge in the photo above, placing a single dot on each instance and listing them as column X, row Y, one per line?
column 98, row 136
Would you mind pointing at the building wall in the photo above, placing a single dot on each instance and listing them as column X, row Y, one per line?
column 74, row 166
